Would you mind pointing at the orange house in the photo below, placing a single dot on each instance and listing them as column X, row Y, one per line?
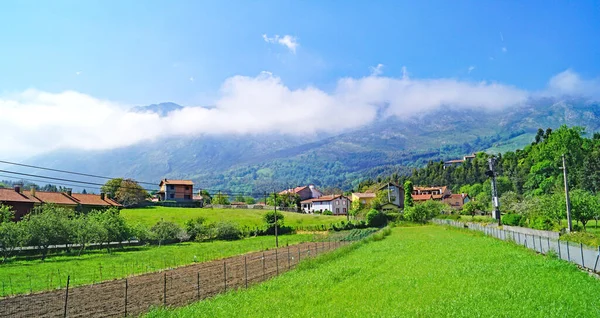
column 176, row 190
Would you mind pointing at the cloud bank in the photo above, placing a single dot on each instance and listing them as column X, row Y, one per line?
column 34, row 122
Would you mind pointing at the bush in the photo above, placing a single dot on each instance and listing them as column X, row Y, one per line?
column 393, row 216
column 375, row 218
column 512, row 219
column 327, row 212
column 197, row 229
column 542, row 223
column 227, row 231
column 165, row 231
column 140, row 232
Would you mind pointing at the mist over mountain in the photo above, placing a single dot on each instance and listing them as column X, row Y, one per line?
column 263, row 162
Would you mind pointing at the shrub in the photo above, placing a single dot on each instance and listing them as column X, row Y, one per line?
column 327, row 212
column 417, row 213
column 140, row 231
column 542, row 223
column 375, row 218
column 197, row 229
column 166, row 231
column 227, row 231
column 512, row 219
column 393, row 216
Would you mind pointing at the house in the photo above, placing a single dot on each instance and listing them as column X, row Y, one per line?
column 305, row 192
column 88, row 202
column 417, row 198
column 60, row 199
column 364, row 198
column 176, row 190
column 438, row 193
column 459, row 161
column 337, row 204
column 18, row 202
column 457, row 201
column 395, row 195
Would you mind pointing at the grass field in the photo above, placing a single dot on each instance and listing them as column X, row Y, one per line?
column 20, row 276
column 426, row 271
column 243, row 217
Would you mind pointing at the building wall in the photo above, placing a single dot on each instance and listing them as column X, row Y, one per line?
column 176, row 192
column 20, row 208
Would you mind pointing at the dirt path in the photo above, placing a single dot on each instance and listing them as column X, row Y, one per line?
column 176, row 287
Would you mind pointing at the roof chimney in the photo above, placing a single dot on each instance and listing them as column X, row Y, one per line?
column 69, row 192
column 18, row 187
column 101, row 195
column 32, row 191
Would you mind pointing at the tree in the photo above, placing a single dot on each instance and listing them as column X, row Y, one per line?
column 250, row 200
column 269, row 219
column 165, row 231
column 86, row 230
column 584, row 206
column 197, row 229
column 48, row 225
column 111, row 187
column 408, row 190
column 83, row 192
column 375, row 218
column 240, row 198
column 114, row 226
column 130, row 193
column 221, row 198
column 12, row 234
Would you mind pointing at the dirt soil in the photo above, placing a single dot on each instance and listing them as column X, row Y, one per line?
column 175, row 287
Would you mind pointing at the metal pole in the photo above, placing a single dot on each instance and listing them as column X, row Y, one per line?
column 568, row 201
column 495, row 201
column 66, row 296
column 581, row 250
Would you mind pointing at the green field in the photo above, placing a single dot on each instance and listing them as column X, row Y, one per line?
column 427, row 271
column 243, row 217
column 85, row 269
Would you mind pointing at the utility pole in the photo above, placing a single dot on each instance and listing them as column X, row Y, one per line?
column 275, row 210
column 495, row 202
column 568, row 201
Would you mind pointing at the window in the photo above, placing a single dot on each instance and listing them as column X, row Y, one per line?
column 172, row 196
column 344, row 202
column 344, row 210
column 187, row 188
column 187, row 197
column 337, row 210
column 337, row 202
column 171, row 187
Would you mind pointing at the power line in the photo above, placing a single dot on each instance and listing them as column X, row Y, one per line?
column 66, row 171
column 38, row 180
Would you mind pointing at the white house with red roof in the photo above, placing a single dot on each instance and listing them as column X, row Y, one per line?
column 336, row 203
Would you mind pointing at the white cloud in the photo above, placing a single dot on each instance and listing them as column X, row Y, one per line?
column 377, row 70
column 34, row 122
column 291, row 42
column 471, row 68
column 504, row 49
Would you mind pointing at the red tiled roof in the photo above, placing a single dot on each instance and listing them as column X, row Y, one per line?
column 364, row 195
column 176, row 182
column 10, row 195
column 421, row 197
column 51, row 197
column 294, row 190
column 455, row 161
column 324, row 198
column 93, row 199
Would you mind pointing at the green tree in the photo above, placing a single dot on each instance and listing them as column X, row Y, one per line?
column 48, row 225
column 240, row 198
column 375, row 218
column 269, row 219
column 111, row 187
column 197, row 229
column 584, row 206
column 165, row 231
column 221, row 198
column 408, row 190
column 130, row 193
column 12, row 234
column 250, row 200
column 86, row 230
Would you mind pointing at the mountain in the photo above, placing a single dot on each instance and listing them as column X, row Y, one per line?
column 270, row 162
column 162, row 109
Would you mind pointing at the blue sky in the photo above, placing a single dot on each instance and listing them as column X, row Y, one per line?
column 141, row 52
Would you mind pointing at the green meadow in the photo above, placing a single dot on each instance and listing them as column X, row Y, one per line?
column 422, row 271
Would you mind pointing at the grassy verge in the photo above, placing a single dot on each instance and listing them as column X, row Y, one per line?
column 427, row 271
column 243, row 217
column 94, row 266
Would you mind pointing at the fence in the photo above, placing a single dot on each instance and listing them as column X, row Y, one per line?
column 175, row 287
column 584, row 256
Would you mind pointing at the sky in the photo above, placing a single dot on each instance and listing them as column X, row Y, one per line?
column 71, row 69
